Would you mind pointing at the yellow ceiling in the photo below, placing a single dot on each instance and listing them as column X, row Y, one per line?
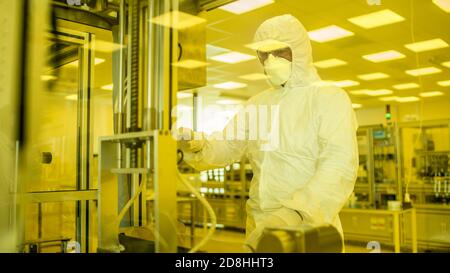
column 232, row 31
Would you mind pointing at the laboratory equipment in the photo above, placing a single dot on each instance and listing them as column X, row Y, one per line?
column 303, row 239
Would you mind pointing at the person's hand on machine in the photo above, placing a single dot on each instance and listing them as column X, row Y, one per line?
column 189, row 141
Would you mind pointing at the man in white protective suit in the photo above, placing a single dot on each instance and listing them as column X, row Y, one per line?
column 305, row 169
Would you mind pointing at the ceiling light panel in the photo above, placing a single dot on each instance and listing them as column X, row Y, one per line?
column 345, row 83
column 253, row 77
column 330, row 63
column 431, row 94
column 443, row 5
column 408, row 99
column 377, row 19
column 384, row 56
column 403, row 86
column 379, row 92
column 427, row 45
column 373, row 76
column 444, row 83
column 243, row 6
column 423, row 71
column 230, row 85
column 329, row 33
column 232, row 57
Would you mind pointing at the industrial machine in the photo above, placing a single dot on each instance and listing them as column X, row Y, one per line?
column 64, row 184
column 303, row 239
column 407, row 161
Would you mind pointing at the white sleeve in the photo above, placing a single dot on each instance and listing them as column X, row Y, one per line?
column 220, row 149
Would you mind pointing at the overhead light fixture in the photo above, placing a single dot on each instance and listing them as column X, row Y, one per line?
column 407, row 99
column 443, row 5
column 72, row 97
column 404, row 86
column 190, row 64
column 384, row 56
column 108, row 87
column 330, row 63
column 48, row 78
column 232, row 57
column 379, row 92
column 228, row 102
column 431, row 94
column 444, row 83
column 356, row 105
column 267, row 45
column 392, row 98
column 345, row 83
column 230, row 85
column 373, row 76
column 183, row 95
column 329, row 33
column 359, row 92
column 177, row 20
column 446, row 64
column 372, row 93
column 254, row 77
column 427, row 45
column 214, row 50
column 423, row 71
column 243, row 6
column 376, row 19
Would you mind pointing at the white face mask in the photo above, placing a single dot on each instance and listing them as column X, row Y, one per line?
column 278, row 69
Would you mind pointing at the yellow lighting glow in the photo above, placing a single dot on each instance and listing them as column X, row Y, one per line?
column 232, row 57
column 243, row 6
column 380, row 92
column 72, row 97
column 183, row 95
column 376, row 19
column 443, row 4
column 408, row 99
column 329, row 33
column 230, row 85
column 431, row 94
column 423, row 71
column 190, row 64
column 177, row 20
column 373, row 76
column 108, row 87
column 444, row 83
column 356, row 105
column 384, row 56
column 254, row 77
column 427, row 45
column 330, row 63
column 404, row 86
column 346, row 83
column 48, row 77
column 392, row 98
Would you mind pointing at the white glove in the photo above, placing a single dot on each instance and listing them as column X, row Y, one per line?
column 282, row 217
column 189, row 141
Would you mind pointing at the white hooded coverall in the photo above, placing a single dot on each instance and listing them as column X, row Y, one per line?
column 313, row 168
